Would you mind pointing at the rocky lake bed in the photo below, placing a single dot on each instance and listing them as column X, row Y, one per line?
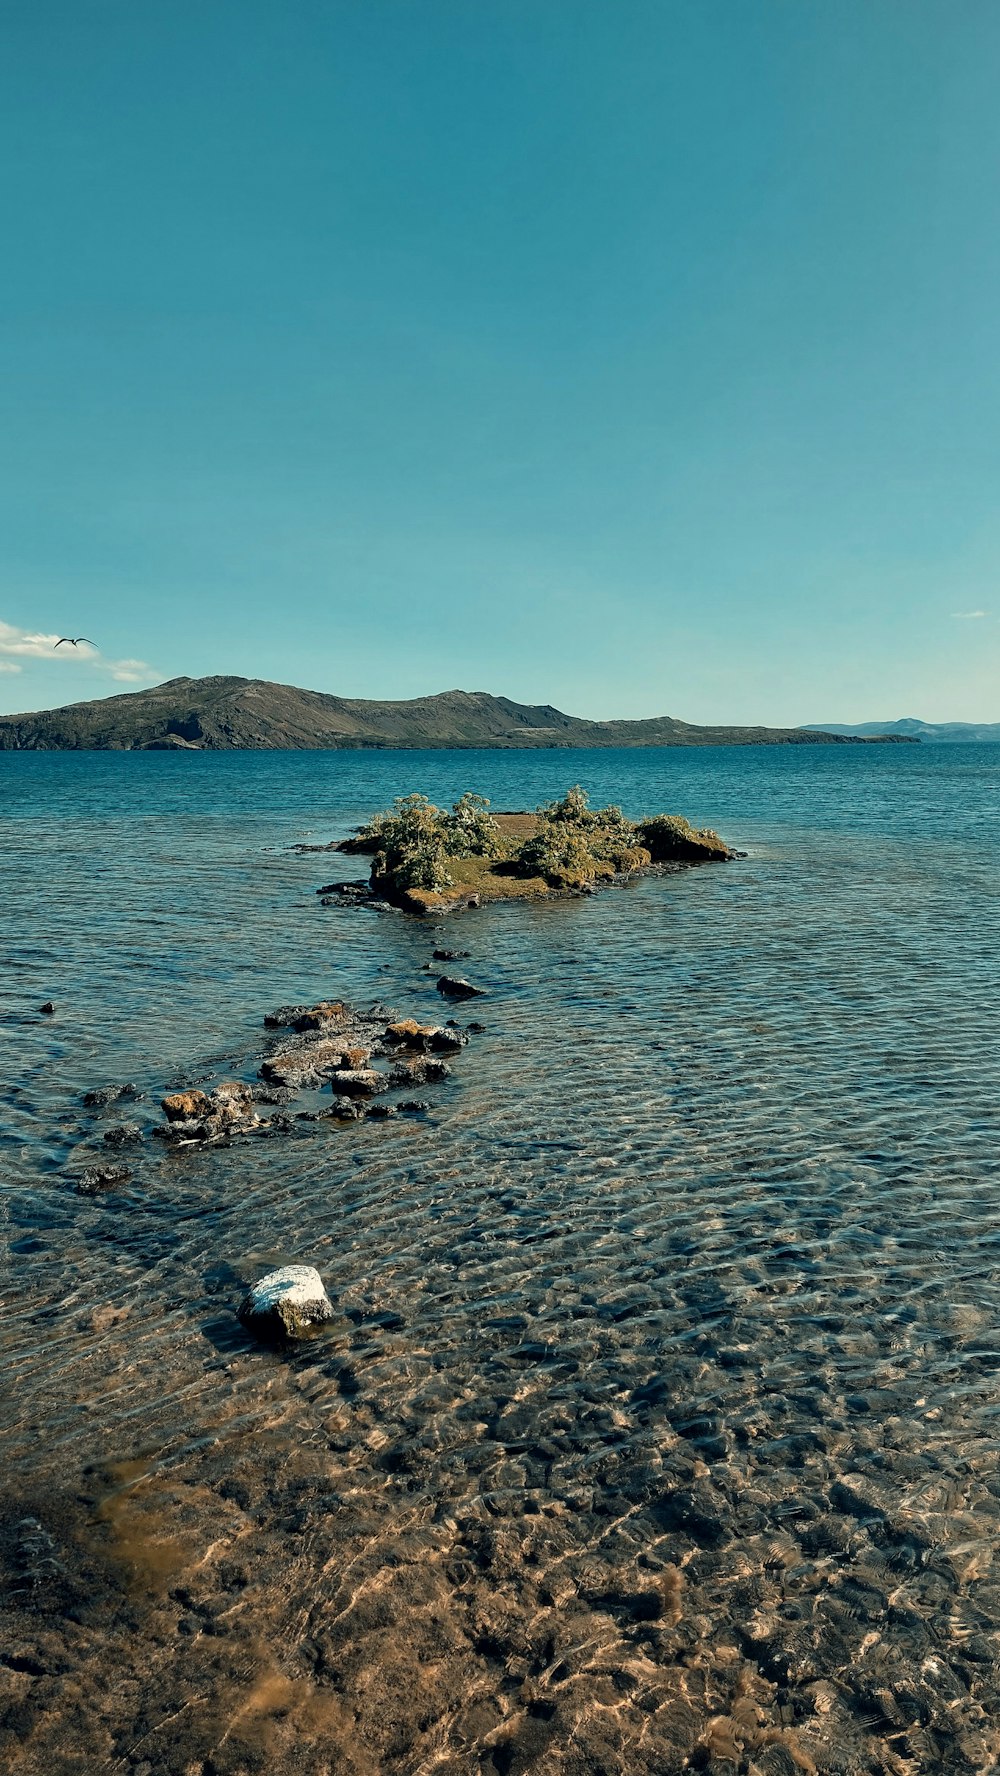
column 561, row 1341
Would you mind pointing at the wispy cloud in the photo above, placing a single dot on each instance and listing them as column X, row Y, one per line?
column 969, row 616
column 17, row 645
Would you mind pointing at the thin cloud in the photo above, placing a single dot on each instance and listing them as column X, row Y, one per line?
column 33, row 644
column 969, row 616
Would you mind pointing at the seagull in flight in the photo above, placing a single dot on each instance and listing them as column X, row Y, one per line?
column 74, row 641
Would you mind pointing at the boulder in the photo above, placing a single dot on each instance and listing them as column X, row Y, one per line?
column 454, row 987
column 48, row 1008
column 287, row 1303
column 187, row 1106
column 359, row 1082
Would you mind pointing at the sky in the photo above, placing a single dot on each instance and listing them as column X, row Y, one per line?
column 638, row 356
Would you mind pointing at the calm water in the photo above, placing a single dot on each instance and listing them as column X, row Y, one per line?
column 658, row 1427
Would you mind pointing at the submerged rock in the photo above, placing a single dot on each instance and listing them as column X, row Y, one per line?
column 453, row 986
column 124, row 1134
column 108, row 1094
column 287, row 1303
column 98, row 1178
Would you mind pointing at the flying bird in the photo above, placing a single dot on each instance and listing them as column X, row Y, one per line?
column 74, row 641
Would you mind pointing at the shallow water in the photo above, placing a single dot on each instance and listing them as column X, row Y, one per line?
column 658, row 1425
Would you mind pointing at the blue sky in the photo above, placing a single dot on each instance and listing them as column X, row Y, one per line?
column 637, row 355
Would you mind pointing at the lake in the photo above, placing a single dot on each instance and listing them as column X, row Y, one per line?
column 657, row 1426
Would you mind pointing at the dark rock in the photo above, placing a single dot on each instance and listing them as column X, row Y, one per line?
column 454, row 987
column 346, row 1110
column 348, row 891
column 99, row 1178
column 108, row 1094
column 382, row 1110
column 273, row 1094
column 48, row 1008
column 124, row 1134
column 413, row 1107
column 450, row 955
column 475, row 1029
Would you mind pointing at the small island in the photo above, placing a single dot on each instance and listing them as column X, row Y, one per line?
column 427, row 859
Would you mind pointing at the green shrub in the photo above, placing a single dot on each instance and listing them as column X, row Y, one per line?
column 412, row 851
column 469, row 831
column 668, row 836
column 560, row 853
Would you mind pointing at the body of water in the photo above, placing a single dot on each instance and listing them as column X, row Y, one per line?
column 657, row 1427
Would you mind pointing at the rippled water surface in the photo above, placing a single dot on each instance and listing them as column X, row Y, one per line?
column 657, row 1428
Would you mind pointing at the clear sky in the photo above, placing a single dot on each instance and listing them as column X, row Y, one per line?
column 641, row 356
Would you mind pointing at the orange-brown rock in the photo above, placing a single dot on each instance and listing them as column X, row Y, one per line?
column 186, row 1106
column 410, row 1034
column 328, row 1011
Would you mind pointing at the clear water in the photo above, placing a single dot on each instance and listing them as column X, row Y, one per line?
column 658, row 1425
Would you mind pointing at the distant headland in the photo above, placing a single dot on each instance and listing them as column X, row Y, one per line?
column 227, row 714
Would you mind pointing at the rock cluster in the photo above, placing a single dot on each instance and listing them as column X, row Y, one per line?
column 204, row 1116
column 357, row 1056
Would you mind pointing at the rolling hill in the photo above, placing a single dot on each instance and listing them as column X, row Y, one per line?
column 222, row 714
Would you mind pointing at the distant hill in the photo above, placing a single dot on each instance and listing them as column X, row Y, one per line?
column 909, row 728
column 219, row 714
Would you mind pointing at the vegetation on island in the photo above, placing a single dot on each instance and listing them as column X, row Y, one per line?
column 428, row 858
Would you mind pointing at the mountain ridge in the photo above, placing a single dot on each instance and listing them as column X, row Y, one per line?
column 226, row 713
column 910, row 727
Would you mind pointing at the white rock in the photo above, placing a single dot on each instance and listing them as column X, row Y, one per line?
column 287, row 1303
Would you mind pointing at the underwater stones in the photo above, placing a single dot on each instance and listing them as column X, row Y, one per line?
column 98, row 1178
column 453, row 986
column 123, row 1134
column 346, row 1109
column 107, row 1094
column 286, row 1303
column 419, row 1070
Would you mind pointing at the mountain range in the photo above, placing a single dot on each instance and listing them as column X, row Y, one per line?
column 216, row 714
column 910, row 728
